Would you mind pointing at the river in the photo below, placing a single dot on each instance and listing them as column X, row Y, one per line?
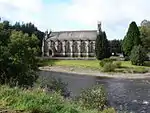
column 132, row 95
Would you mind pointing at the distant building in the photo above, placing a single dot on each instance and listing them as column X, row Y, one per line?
column 70, row 43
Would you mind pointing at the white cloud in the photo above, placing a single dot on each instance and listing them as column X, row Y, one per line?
column 114, row 14
column 20, row 10
column 78, row 14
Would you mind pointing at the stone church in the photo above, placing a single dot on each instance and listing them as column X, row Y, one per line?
column 70, row 43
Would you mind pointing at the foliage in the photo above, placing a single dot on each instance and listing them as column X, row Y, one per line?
column 28, row 28
column 115, row 46
column 104, row 61
column 138, row 55
column 140, row 70
column 117, row 64
column 102, row 49
column 53, row 84
column 145, row 35
column 145, row 23
column 37, row 101
column 17, row 57
column 93, row 98
column 109, row 67
column 131, row 39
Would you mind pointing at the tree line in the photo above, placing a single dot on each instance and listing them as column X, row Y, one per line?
column 19, row 46
column 135, row 45
column 28, row 28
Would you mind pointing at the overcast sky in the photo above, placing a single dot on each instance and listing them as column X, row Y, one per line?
column 58, row 15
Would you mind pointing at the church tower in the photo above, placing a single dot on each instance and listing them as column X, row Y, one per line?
column 99, row 27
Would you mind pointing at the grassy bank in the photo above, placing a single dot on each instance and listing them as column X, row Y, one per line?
column 126, row 66
column 36, row 101
column 94, row 64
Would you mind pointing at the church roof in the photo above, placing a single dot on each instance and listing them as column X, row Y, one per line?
column 74, row 35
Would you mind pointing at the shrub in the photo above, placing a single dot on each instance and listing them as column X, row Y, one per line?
column 37, row 101
column 53, row 84
column 109, row 67
column 140, row 70
column 93, row 98
column 110, row 110
column 117, row 64
column 104, row 61
column 138, row 55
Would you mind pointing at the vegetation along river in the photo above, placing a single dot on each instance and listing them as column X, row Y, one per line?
column 132, row 95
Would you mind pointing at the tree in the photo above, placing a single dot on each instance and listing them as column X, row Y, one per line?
column 145, row 23
column 131, row 39
column 145, row 34
column 115, row 46
column 30, row 29
column 102, row 49
column 138, row 55
column 18, row 63
column 107, row 53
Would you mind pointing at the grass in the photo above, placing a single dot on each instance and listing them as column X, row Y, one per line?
column 126, row 66
column 94, row 64
column 129, row 68
column 37, row 101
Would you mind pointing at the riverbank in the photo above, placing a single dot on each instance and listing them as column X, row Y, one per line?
column 91, row 72
column 125, row 67
column 17, row 100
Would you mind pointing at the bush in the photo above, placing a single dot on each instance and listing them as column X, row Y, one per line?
column 140, row 70
column 109, row 67
column 104, row 61
column 93, row 98
column 53, row 84
column 37, row 101
column 138, row 55
column 117, row 64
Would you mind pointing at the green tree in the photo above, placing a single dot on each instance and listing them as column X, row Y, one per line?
column 18, row 63
column 115, row 46
column 107, row 53
column 138, row 55
column 30, row 29
column 131, row 39
column 145, row 34
column 102, row 49
column 145, row 37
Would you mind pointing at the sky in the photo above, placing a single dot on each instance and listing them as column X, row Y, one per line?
column 62, row 15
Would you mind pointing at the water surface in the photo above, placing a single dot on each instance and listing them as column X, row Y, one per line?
column 132, row 95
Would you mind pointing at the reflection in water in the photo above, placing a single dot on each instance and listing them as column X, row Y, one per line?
column 130, row 95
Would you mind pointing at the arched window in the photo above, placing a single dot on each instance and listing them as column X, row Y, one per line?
column 67, row 48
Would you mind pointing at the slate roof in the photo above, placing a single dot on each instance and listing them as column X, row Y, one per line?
column 74, row 35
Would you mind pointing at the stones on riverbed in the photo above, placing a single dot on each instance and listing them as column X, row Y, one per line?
column 134, row 101
column 145, row 102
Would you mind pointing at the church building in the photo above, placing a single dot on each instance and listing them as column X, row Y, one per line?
column 70, row 43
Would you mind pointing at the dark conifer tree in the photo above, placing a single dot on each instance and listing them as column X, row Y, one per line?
column 102, row 48
column 131, row 39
